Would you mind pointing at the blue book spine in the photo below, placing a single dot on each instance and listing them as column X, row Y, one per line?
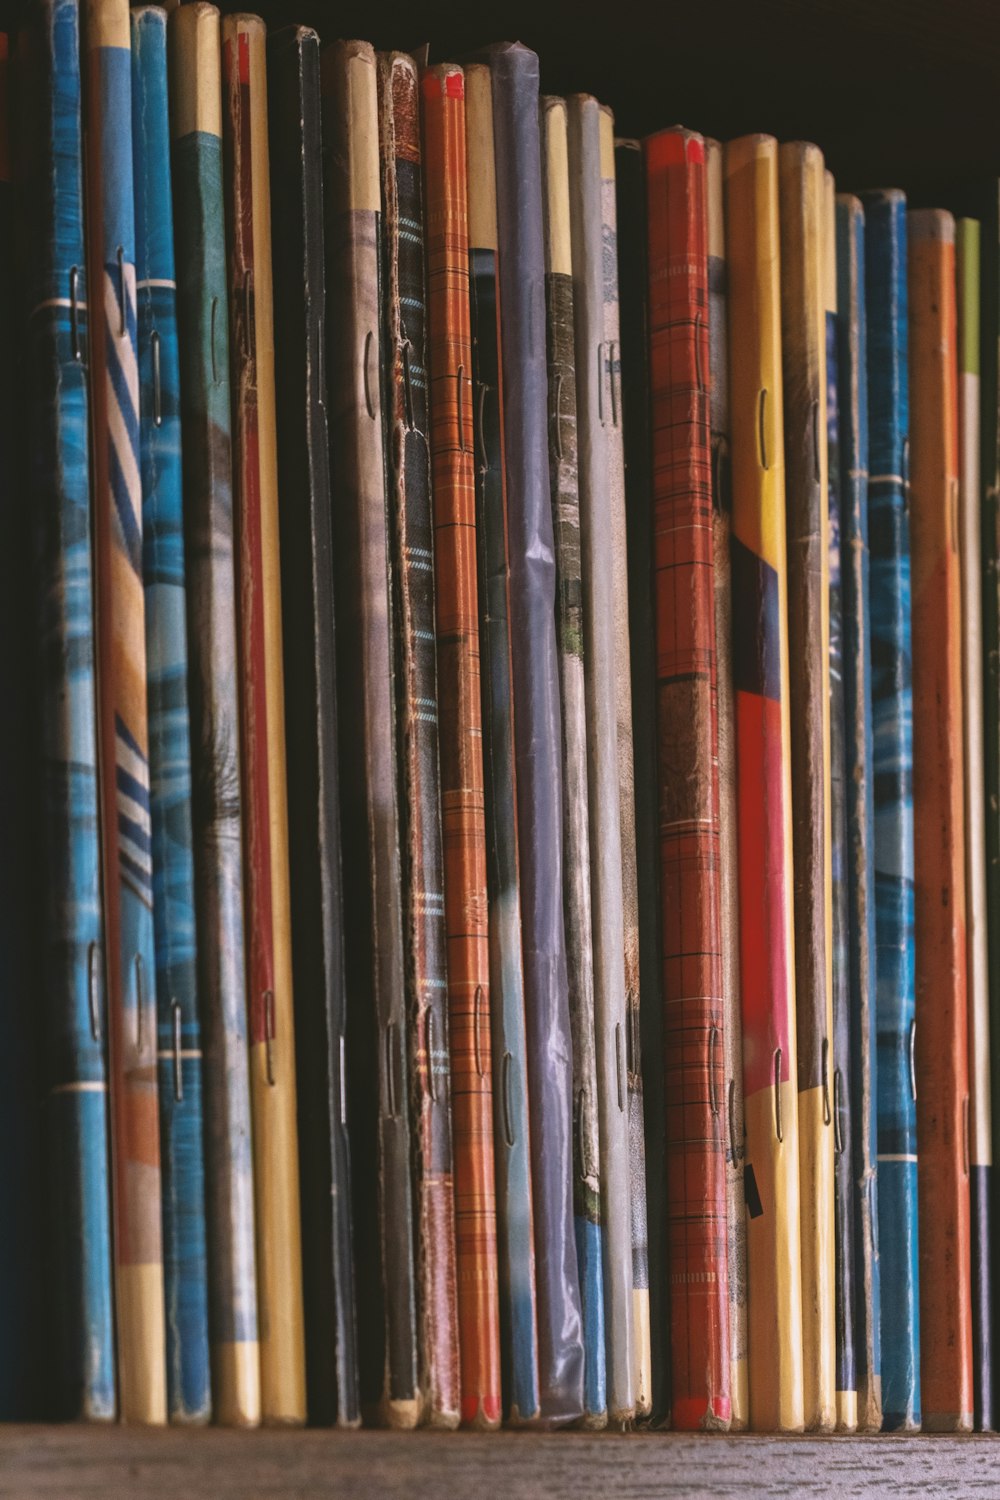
column 885, row 275
column 179, row 1031
column 74, row 1069
column 852, row 396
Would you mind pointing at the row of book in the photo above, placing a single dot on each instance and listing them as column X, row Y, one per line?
column 508, row 936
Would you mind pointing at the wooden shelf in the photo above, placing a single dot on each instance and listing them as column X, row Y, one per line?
column 111, row 1463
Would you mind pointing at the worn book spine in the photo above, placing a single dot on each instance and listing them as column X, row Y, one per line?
column 646, row 1106
column 729, row 916
column 537, row 726
column 189, row 1393
column 203, row 327
column 576, row 837
column 123, row 741
column 73, row 1021
column 308, row 633
column 977, row 953
column 462, row 784
column 803, row 348
column 892, row 767
column 760, row 676
column 683, row 551
column 595, row 393
column 378, row 1077
column 404, row 336
column 265, row 805
column 840, row 1085
column 941, row 1051
column 519, row 1349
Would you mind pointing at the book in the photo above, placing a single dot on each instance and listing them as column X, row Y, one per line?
column 404, row 335
column 73, row 1067
column 596, row 392
column 519, row 1352
column 803, row 348
column 588, row 1222
column 537, row 725
column 980, row 1144
column 886, row 330
column 308, row 636
column 941, row 1042
column 185, row 1268
column 462, row 785
column 378, row 1090
column 760, row 676
column 729, row 915
column 687, row 714
column 265, row 806
column 123, row 740
column 195, row 75
column 852, row 395
column 840, row 938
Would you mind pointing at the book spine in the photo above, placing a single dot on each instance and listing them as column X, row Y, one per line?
column 311, row 724
column 596, row 392
column 123, row 741
column 537, row 725
column 74, row 1060
column 411, row 525
column 462, row 785
column 729, row 914
column 683, row 551
column 378, row 1085
column 760, row 675
column 977, row 953
column 846, row 1369
column 202, row 313
column 942, row 1075
column 510, row 1095
column 189, row 1393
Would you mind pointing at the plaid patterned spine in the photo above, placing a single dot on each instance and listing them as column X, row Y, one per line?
column 941, row 1043
column 683, row 546
column 73, row 1023
column 405, row 355
column 123, row 737
column 511, row 1143
column 202, row 312
column 189, row 1392
column 760, row 676
column 576, row 838
column 462, row 790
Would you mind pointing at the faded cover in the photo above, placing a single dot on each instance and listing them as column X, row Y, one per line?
column 404, row 336
column 308, row 615
column 378, row 1078
column 265, row 804
column 537, row 725
column 519, row 1349
column 689, row 811
column 729, row 916
column 852, row 396
column 645, row 1045
column 73, row 1021
column 885, row 267
column 840, row 1086
column 942, row 1072
column 977, row 956
column 203, row 326
column 760, row 676
column 189, row 1392
column 576, row 835
column 596, row 394
column 123, row 742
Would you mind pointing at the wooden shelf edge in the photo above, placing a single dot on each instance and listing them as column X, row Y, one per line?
column 112, row 1462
